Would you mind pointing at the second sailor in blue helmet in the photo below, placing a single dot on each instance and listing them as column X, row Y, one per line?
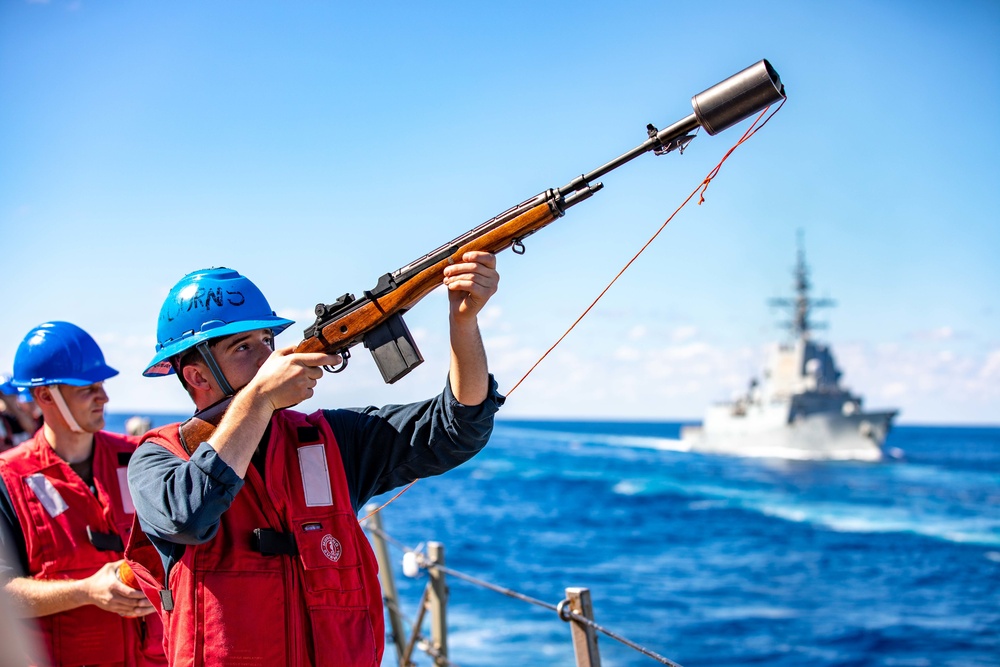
column 266, row 507
column 65, row 512
column 17, row 421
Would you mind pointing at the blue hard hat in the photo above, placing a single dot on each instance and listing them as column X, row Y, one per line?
column 208, row 304
column 59, row 353
column 7, row 388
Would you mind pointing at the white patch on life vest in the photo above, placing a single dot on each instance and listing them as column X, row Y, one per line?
column 331, row 547
column 46, row 494
column 315, row 476
column 126, row 494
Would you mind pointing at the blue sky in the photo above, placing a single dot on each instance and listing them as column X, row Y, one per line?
column 316, row 145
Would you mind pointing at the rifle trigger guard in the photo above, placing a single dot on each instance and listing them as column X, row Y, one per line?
column 345, row 355
column 517, row 247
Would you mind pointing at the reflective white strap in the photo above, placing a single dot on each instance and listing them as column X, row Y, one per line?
column 47, row 494
column 64, row 409
column 127, row 505
column 315, row 476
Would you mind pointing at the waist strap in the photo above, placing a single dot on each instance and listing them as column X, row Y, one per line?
column 272, row 543
column 105, row 541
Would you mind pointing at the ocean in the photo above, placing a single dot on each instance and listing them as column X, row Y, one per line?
column 713, row 560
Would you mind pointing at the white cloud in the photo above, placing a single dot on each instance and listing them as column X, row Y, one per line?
column 490, row 317
column 683, row 333
column 644, row 374
column 948, row 385
column 642, row 380
column 894, row 390
column 301, row 316
column 991, row 367
column 938, row 334
column 637, row 332
column 688, row 351
column 626, row 353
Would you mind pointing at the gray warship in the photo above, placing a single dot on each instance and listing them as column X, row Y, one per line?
column 799, row 410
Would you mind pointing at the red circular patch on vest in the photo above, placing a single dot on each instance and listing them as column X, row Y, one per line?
column 331, row 547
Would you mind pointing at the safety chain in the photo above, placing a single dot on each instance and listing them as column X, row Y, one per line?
column 563, row 609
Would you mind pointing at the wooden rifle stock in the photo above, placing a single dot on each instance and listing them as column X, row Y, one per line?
column 349, row 321
column 343, row 332
column 350, row 329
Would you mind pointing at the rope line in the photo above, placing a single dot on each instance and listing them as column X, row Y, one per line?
column 701, row 186
column 567, row 614
column 485, row 584
column 386, row 536
column 562, row 609
column 380, row 507
column 430, row 565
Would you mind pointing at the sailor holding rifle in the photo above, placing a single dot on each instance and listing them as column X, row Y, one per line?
column 249, row 543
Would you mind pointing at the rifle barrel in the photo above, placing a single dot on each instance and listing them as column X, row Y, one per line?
column 663, row 137
column 715, row 109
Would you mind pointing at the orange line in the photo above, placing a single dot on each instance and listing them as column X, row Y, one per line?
column 703, row 186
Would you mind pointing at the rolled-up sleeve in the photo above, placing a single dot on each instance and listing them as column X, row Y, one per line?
column 181, row 501
column 384, row 448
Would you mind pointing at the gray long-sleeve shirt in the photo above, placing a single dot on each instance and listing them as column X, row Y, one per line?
column 181, row 502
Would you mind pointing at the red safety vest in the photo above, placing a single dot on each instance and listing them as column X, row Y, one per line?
column 289, row 579
column 69, row 534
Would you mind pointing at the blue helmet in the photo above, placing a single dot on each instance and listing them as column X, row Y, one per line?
column 7, row 388
column 208, row 304
column 59, row 353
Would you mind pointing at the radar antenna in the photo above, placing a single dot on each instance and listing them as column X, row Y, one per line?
column 801, row 305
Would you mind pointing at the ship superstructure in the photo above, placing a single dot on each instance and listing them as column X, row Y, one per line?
column 798, row 410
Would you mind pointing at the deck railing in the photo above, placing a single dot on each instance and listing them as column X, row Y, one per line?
column 576, row 609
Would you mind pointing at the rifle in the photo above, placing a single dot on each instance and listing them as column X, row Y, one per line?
column 376, row 319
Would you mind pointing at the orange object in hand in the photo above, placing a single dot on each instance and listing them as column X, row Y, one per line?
column 127, row 576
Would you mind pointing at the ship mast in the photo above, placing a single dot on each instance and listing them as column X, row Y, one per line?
column 802, row 305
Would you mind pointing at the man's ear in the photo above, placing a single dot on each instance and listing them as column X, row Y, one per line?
column 42, row 395
column 196, row 377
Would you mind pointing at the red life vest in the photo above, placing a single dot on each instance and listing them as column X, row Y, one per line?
column 70, row 534
column 288, row 579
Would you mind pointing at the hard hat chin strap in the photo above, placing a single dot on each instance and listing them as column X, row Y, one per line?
column 209, row 359
column 60, row 402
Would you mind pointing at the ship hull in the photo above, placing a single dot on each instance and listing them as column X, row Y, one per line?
column 823, row 436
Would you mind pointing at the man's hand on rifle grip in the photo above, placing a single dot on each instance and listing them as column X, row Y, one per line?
column 471, row 283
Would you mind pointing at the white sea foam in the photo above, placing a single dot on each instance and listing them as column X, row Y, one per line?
column 854, row 518
column 749, row 612
column 849, row 516
column 574, row 439
column 661, row 444
column 846, row 517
